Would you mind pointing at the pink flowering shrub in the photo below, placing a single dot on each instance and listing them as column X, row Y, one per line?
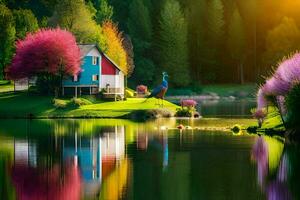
column 188, row 103
column 187, row 108
column 261, row 99
column 260, row 115
column 47, row 54
column 141, row 89
column 52, row 51
column 279, row 87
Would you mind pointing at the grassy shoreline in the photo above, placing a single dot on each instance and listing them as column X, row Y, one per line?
column 24, row 105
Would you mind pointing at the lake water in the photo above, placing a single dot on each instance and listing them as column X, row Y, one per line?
column 119, row 159
column 224, row 108
column 227, row 109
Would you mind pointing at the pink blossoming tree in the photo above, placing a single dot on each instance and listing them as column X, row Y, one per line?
column 49, row 54
column 283, row 90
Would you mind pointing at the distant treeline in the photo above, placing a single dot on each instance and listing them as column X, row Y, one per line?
column 195, row 41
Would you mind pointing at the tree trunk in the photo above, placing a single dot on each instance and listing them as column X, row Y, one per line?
column 242, row 73
column 3, row 71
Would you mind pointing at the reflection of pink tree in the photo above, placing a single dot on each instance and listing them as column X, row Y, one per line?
column 142, row 141
column 283, row 169
column 37, row 184
column 276, row 189
column 260, row 155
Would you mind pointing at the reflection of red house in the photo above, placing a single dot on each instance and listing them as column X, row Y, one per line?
column 112, row 148
column 142, row 141
column 97, row 155
column 108, row 165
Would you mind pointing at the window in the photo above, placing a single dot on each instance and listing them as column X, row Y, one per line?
column 75, row 78
column 95, row 60
column 95, row 77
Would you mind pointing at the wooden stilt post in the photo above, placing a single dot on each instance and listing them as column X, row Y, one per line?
column 80, row 91
column 76, row 92
column 90, row 90
column 63, row 91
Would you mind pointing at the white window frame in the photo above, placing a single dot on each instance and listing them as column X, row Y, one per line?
column 94, row 60
column 75, row 78
column 95, row 77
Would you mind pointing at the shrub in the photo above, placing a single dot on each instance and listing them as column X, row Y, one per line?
column 129, row 93
column 77, row 102
column 143, row 115
column 59, row 104
column 141, row 89
column 91, row 98
column 184, row 112
column 260, row 115
column 237, row 129
column 189, row 103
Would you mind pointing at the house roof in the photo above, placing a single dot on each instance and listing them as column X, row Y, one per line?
column 86, row 48
column 110, row 60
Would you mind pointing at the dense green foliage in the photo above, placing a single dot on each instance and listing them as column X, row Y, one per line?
column 173, row 44
column 7, row 37
column 76, row 17
column 236, row 42
column 140, row 28
column 282, row 40
column 293, row 107
column 25, row 22
column 104, row 11
column 226, row 41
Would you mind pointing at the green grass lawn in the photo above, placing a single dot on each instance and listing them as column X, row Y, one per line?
column 20, row 105
column 6, row 86
column 273, row 120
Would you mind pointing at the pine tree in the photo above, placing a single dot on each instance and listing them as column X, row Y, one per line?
column 25, row 22
column 7, row 37
column 140, row 29
column 282, row 41
column 215, row 22
column 215, row 33
column 104, row 12
column 76, row 17
column 236, row 42
column 139, row 22
column 173, row 44
column 196, row 17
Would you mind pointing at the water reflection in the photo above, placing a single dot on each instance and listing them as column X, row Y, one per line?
column 56, row 182
column 70, row 167
column 276, row 169
column 223, row 108
column 116, row 159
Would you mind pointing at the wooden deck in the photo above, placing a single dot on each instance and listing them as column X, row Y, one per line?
column 113, row 93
